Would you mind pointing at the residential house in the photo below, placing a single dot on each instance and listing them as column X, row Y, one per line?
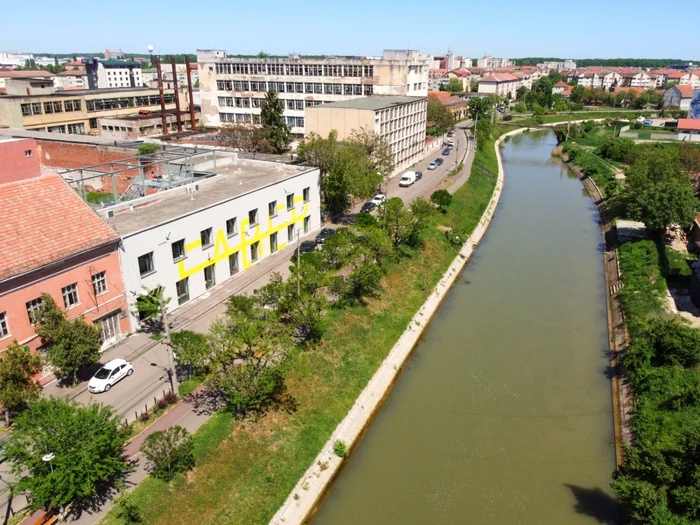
column 504, row 84
column 685, row 78
column 462, row 75
column 688, row 129
column 56, row 245
column 456, row 105
column 71, row 78
column 559, row 87
column 437, row 78
column 679, row 96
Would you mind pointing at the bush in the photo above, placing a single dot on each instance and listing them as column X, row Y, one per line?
column 617, row 149
column 442, row 198
column 147, row 148
column 169, row 451
column 366, row 220
column 339, row 448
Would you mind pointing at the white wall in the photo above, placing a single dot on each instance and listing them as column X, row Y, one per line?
column 159, row 239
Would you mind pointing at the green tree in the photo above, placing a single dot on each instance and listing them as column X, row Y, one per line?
column 439, row 117
column 554, row 76
column 126, row 510
column 378, row 149
column 522, row 93
column 479, row 108
column 85, row 443
column 17, row 386
column 473, row 85
column 191, row 349
column 442, row 198
column 618, row 149
column 577, row 94
column 244, row 137
column 273, row 123
column 71, row 345
column 454, row 85
column 148, row 148
column 320, row 152
column 169, row 452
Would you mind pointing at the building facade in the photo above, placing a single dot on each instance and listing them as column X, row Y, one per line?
column 191, row 238
column 504, row 84
column 62, row 248
column 232, row 88
column 71, row 79
column 401, row 121
column 491, row 62
column 679, row 97
column 143, row 124
column 19, row 159
column 104, row 74
column 77, row 112
column 688, row 129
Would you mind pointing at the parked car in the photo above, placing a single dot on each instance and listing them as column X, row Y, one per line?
column 379, row 198
column 110, row 374
column 325, row 232
column 368, row 207
column 450, row 133
column 450, row 146
column 641, row 119
column 439, row 161
column 648, row 123
column 432, row 165
column 307, row 246
column 446, row 151
column 407, row 179
column 419, row 175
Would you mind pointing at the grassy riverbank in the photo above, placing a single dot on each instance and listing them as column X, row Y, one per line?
column 246, row 470
column 591, row 115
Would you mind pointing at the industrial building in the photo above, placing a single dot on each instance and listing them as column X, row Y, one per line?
column 399, row 120
column 232, row 214
column 232, row 88
column 102, row 74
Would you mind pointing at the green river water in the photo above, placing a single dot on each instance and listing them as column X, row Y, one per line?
column 503, row 414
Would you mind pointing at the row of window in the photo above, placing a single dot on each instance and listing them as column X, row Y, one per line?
column 182, row 287
column 206, row 236
column 103, row 104
column 70, row 299
column 249, row 118
column 298, row 70
column 35, row 108
column 296, row 87
column 244, row 102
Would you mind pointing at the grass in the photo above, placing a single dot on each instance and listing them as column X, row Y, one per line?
column 190, row 385
column 551, row 119
column 98, row 197
column 245, row 471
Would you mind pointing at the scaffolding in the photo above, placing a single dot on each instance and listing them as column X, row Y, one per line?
column 177, row 167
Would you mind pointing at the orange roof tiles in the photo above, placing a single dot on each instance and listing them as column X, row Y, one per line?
column 44, row 220
column 686, row 90
column 439, row 94
column 500, row 77
column 688, row 124
column 26, row 74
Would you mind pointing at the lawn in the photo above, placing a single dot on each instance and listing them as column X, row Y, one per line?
column 244, row 470
column 551, row 119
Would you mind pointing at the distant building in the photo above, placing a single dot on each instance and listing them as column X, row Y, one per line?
column 19, row 160
column 143, row 124
column 71, row 78
column 566, row 64
column 29, row 86
column 114, row 54
column 504, row 84
column 15, row 59
column 437, row 78
column 559, row 87
column 399, row 120
column 59, row 246
column 488, row 61
column 103, row 74
column 689, row 129
column 679, row 96
column 232, row 88
column 456, row 105
column 39, row 73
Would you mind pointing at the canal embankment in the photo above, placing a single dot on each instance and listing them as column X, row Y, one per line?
column 313, row 485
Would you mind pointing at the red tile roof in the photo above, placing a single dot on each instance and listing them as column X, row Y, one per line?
column 74, row 63
column 437, row 73
column 439, row 94
column 72, row 72
column 620, row 89
column 44, row 220
column 26, row 74
column 685, row 90
column 689, row 124
column 462, row 73
column 677, row 74
column 499, row 77
column 561, row 83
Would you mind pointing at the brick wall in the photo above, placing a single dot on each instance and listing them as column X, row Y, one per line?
column 20, row 160
column 61, row 155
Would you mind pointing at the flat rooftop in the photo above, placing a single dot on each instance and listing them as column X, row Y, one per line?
column 238, row 177
column 57, row 137
column 374, row 102
column 103, row 91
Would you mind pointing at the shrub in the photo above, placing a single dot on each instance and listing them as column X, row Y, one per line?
column 147, row 148
column 339, row 448
column 169, row 451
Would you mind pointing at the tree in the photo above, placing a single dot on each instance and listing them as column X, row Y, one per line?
column 439, row 117
column 319, row 152
column 555, row 76
column 273, row 123
column 473, row 85
column 244, row 137
column 85, row 443
column 454, row 85
column 617, row 148
column 191, row 349
column 126, row 509
column 169, row 451
column 378, row 149
column 17, row 387
column 690, row 158
column 522, row 92
column 71, row 345
column 577, row 94
column 479, row 108
column 442, row 198
column 147, row 148
column 658, row 191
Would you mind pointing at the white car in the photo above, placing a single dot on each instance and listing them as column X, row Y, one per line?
column 380, row 198
column 641, row 119
column 432, row 166
column 109, row 374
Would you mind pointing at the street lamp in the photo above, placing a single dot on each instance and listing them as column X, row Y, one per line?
column 47, row 459
column 170, row 373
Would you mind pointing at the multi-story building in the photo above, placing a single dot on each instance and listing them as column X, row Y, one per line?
column 566, row 64
column 77, row 112
column 503, row 84
column 232, row 88
column 6, row 75
column 102, row 74
column 190, row 238
column 19, row 159
column 491, row 62
column 54, row 243
column 71, row 79
column 399, row 120
column 15, row 59
column 679, row 96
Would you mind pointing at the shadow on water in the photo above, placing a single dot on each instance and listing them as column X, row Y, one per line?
column 597, row 504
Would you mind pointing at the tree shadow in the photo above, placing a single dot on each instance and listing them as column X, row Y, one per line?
column 206, row 401
column 106, row 491
column 597, row 504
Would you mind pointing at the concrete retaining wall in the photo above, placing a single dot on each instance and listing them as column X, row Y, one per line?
column 313, row 484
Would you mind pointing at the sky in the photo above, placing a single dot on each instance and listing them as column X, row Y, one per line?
column 504, row 28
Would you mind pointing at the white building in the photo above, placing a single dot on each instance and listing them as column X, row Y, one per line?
column 503, row 84
column 71, row 78
column 15, row 59
column 491, row 62
column 103, row 74
column 566, row 64
column 192, row 238
column 232, row 88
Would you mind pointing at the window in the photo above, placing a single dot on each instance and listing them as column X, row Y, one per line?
column 272, row 209
column 99, row 283
column 209, row 277
column 273, row 242
column 56, row 129
column 28, row 153
column 76, row 129
column 253, row 217
column 26, row 110
column 183, row 291
column 109, row 326
column 290, row 233
column 231, row 227
column 4, row 330
column 146, row 264
column 93, row 123
column 254, row 251
column 307, row 220
column 290, row 201
column 307, row 194
column 205, row 236
column 178, row 248
column 233, row 263
column 33, row 310
column 36, row 108
column 70, row 295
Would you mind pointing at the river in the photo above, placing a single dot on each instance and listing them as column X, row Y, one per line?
column 503, row 414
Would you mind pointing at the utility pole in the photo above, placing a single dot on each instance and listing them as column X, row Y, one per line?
column 169, row 350
column 298, row 264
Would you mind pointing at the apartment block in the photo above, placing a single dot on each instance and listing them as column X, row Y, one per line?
column 232, row 88
column 399, row 120
column 191, row 238
column 103, row 74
